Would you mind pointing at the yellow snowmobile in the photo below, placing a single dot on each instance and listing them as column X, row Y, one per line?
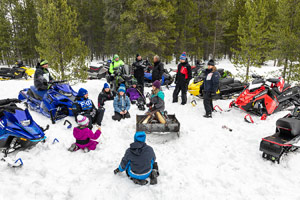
column 228, row 86
column 17, row 72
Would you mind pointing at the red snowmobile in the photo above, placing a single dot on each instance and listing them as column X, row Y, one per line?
column 264, row 97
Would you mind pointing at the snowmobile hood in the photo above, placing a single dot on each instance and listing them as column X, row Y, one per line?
column 65, row 89
column 137, row 148
column 20, row 123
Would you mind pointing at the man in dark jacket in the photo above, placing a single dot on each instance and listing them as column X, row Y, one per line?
column 158, row 69
column 85, row 106
column 211, row 85
column 42, row 76
column 183, row 77
column 105, row 95
column 139, row 161
column 139, row 68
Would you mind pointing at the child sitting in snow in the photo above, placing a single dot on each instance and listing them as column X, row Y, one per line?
column 121, row 105
column 133, row 92
column 85, row 138
column 139, row 161
column 157, row 102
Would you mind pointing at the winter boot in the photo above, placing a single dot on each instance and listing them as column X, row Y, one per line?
column 153, row 177
column 73, row 148
column 207, row 116
column 140, row 182
column 86, row 150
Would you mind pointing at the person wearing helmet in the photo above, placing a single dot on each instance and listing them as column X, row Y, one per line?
column 134, row 92
column 116, row 63
column 19, row 64
column 42, row 76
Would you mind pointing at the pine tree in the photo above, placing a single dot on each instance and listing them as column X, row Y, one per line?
column 149, row 28
column 59, row 40
column 254, row 36
column 5, row 34
column 287, row 37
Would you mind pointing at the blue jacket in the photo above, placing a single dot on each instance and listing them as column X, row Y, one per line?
column 138, row 160
column 85, row 104
column 211, row 81
column 121, row 104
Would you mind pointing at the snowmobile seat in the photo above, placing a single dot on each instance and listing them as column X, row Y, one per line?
column 226, row 81
column 273, row 80
column 288, row 125
column 258, row 81
column 38, row 94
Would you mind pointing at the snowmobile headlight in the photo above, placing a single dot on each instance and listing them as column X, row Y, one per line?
column 25, row 122
column 68, row 94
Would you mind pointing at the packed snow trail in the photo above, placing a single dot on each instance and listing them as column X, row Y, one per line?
column 206, row 162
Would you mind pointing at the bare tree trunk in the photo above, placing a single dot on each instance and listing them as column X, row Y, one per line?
column 285, row 68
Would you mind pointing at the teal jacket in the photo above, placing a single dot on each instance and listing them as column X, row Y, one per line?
column 158, row 101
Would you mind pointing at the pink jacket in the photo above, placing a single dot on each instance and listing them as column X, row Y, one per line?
column 86, row 134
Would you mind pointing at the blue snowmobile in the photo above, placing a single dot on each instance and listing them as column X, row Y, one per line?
column 17, row 128
column 167, row 78
column 55, row 104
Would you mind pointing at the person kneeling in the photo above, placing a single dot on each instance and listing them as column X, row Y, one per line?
column 85, row 138
column 121, row 104
column 139, row 161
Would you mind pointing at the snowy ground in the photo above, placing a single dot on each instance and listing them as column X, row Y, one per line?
column 206, row 162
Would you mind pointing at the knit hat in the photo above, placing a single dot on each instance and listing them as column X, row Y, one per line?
column 140, row 136
column 43, row 62
column 137, row 55
column 183, row 56
column 211, row 62
column 106, row 85
column 82, row 92
column 122, row 88
column 156, row 84
column 116, row 56
column 82, row 120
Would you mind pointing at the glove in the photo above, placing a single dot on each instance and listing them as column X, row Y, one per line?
column 149, row 104
column 116, row 171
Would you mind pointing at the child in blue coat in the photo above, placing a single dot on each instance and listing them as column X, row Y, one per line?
column 121, row 104
column 139, row 161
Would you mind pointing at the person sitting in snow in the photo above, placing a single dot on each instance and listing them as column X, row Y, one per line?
column 139, row 161
column 133, row 92
column 84, row 106
column 85, row 138
column 157, row 102
column 121, row 104
column 105, row 95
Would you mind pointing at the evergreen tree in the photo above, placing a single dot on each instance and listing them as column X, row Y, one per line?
column 254, row 36
column 5, row 34
column 59, row 40
column 149, row 28
column 287, row 37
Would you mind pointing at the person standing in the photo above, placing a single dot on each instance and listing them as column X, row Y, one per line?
column 158, row 69
column 139, row 67
column 211, row 85
column 183, row 77
column 116, row 63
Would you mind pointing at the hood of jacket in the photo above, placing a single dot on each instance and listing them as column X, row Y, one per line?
column 137, row 148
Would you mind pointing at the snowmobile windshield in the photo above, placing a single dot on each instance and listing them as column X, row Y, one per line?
column 253, row 86
column 64, row 89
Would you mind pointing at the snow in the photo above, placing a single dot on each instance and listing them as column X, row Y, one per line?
column 206, row 162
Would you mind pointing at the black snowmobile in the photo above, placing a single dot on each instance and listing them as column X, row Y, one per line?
column 286, row 136
column 98, row 71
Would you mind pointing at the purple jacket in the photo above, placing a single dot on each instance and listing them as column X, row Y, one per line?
column 86, row 134
column 133, row 93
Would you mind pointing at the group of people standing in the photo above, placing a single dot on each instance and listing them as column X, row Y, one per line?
column 139, row 160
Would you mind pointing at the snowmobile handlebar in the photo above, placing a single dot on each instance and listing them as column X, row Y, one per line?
column 255, row 76
column 57, row 82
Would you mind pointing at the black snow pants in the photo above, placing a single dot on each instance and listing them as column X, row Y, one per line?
column 183, row 88
column 207, row 101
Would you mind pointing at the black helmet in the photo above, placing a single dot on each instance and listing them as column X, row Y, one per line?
column 19, row 63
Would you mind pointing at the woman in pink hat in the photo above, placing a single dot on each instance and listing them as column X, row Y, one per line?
column 85, row 138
